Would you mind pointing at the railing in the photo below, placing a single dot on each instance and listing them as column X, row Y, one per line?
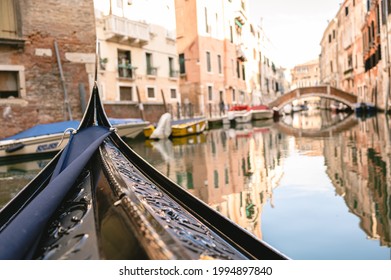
column 126, row 71
column 152, row 71
column 174, row 74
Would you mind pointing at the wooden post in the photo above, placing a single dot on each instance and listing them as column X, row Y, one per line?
column 141, row 107
column 164, row 102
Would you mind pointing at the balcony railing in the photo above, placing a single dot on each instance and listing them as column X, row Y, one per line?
column 126, row 71
column 123, row 30
column 174, row 74
column 152, row 71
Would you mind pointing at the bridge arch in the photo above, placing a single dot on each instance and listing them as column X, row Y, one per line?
column 316, row 91
column 328, row 131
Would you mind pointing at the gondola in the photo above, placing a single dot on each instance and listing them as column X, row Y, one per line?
column 98, row 199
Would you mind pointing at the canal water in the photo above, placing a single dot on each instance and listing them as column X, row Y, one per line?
column 314, row 185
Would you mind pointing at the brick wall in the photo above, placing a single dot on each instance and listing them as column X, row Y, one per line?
column 71, row 24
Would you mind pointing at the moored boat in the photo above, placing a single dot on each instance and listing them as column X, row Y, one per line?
column 363, row 109
column 50, row 138
column 98, row 199
column 239, row 114
column 261, row 112
column 176, row 128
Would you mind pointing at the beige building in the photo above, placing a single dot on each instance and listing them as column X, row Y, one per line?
column 328, row 59
column 363, row 56
column 351, row 17
column 306, row 74
column 138, row 58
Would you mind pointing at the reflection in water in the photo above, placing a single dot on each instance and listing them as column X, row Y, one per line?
column 295, row 186
column 359, row 166
column 13, row 177
column 316, row 186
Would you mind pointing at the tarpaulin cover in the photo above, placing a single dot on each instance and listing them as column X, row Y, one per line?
column 60, row 127
column 19, row 238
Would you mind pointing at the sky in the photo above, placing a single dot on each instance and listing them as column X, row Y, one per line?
column 295, row 27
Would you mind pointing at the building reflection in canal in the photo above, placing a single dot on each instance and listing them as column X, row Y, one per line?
column 242, row 173
column 358, row 164
column 315, row 186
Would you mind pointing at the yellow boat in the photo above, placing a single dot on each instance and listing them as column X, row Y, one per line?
column 180, row 128
column 148, row 130
column 188, row 127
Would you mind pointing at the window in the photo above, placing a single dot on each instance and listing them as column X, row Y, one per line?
column 151, row 92
column 267, row 84
column 219, row 64
column 172, row 72
column 216, row 178
column 346, row 11
column 125, row 68
column 206, row 21
column 125, row 93
column 210, row 93
column 238, row 69
column 9, row 84
column 12, row 81
column 182, row 68
column 233, row 95
column 8, row 19
column 173, row 93
column 120, row 4
column 243, row 72
column 350, row 62
column 208, row 62
column 231, row 34
column 151, row 71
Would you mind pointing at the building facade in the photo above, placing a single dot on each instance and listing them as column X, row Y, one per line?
column 32, row 89
column 328, row 59
column 139, row 73
column 306, row 74
column 221, row 56
column 361, row 51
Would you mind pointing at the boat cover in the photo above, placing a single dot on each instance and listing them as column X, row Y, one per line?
column 21, row 236
column 60, row 127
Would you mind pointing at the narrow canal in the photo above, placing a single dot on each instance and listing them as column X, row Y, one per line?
column 314, row 185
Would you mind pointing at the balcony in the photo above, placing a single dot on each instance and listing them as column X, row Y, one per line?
column 348, row 74
column 240, row 53
column 152, row 71
column 174, row 74
column 124, row 31
column 126, row 72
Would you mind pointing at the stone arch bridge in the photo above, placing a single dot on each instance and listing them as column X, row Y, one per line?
column 316, row 91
